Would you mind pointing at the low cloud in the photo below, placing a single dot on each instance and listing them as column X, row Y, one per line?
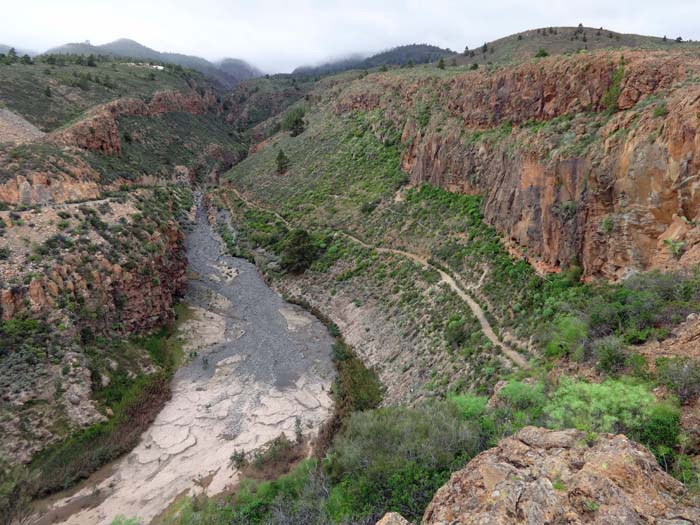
column 277, row 35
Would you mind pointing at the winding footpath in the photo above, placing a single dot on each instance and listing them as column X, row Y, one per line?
column 516, row 357
column 257, row 364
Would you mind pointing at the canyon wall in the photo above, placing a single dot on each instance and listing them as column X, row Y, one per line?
column 590, row 159
column 65, row 175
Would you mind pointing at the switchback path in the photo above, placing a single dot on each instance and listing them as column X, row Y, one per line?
column 516, row 357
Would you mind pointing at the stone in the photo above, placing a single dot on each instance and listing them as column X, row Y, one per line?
column 393, row 518
column 544, row 476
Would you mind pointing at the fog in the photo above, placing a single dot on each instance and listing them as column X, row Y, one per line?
column 277, row 36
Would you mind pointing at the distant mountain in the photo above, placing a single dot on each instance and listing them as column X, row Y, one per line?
column 238, row 68
column 5, row 48
column 558, row 41
column 335, row 66
column 228, row 73
column 398, row 56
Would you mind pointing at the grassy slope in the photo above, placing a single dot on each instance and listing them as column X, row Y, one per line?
column 23, row 88
column 337, row 169
column 342, row 178
column 525, row 45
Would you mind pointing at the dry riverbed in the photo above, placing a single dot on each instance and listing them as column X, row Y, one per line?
column 257, row 363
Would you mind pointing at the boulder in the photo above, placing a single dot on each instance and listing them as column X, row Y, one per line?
column 543, row 476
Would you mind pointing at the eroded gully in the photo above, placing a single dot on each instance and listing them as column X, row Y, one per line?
column 259, row 363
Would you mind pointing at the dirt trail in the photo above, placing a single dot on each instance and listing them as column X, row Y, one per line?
column 257, row 364
column 450, row 280
column 478, row 312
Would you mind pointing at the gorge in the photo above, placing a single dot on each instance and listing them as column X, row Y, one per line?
column 456, row 291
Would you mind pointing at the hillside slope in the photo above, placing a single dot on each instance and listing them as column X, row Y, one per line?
column 560, row 41
column 415, row 209
column 397, row 56
column 228, row 72
column 92, row 259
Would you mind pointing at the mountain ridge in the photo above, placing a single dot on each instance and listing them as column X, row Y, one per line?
column 237, row 70
column 396, row 56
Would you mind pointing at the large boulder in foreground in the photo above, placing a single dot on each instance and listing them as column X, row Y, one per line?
column 541, row 476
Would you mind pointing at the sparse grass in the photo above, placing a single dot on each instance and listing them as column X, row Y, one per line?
column 23, row 88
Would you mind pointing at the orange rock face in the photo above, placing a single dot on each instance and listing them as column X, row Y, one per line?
column 543, row 476
column 99, row 131
column 561, row 177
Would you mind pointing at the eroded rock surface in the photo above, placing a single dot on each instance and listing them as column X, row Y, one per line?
column 16, row 129
column 542, row 476
column 591, row 158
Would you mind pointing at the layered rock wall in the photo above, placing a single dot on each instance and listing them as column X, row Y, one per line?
column 561, row 176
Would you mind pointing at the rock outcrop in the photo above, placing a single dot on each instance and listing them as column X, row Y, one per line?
column 541, row 476
column 137, row 299
column 99, row 130
column 590, row 159
column 392, row 518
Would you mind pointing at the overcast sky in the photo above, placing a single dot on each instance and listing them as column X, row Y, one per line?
column 277, row 36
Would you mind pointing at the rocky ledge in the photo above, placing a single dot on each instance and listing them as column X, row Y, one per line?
column 541, row 476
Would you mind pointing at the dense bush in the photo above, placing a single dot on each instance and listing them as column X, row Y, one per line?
column 396, row 458
column 610, row 353
column 16, row 484
column 298, row 251
column 681, row 376
column 455, row 331
column 616, row 406
column 293, row 121
column 568, row 338
column 599, row 320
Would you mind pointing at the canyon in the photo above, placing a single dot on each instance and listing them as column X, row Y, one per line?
column 626, row 184
column 459, row 243
column 258, row 366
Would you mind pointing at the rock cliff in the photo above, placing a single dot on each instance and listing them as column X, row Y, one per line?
column 59, row 170
column 541, row 476
column 99, row 130
column 589, row 159
column 94, row 274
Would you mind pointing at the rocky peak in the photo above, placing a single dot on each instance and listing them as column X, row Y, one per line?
column 542, row 476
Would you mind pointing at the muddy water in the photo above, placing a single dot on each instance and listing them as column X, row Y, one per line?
column 257, row 364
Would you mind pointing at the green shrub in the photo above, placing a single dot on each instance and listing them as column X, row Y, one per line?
column 615, row 406
column 541, row 53
column 610, row 353
column 293, row 121
column 468, row 406
column 680, row 375
column 298, row 251
column 456, row 332
column 16, row 490
column 123, row 520
column 282, row 162
column 662, row 427
column 660, row 110
column 675, row 248
column 521, row 396
column 569, row 337
column 395, row 459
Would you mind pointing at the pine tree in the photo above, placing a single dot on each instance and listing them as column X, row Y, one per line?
column 441, row 63
column 282, row 162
